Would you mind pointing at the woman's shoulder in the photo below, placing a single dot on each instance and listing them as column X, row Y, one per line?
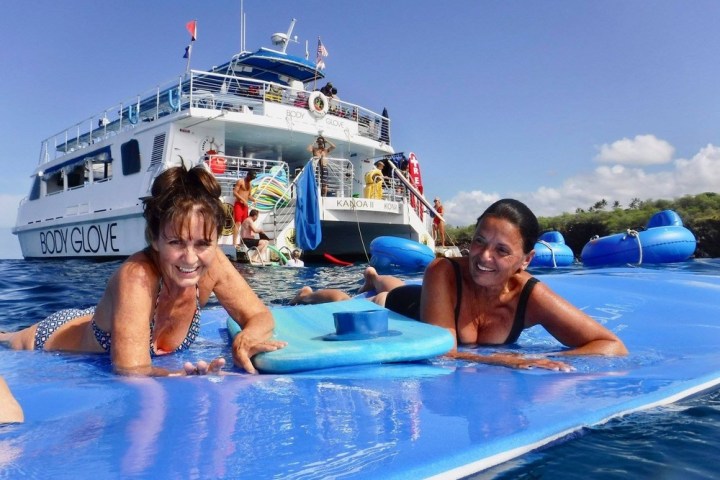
column 139, row 266
column 441, row 268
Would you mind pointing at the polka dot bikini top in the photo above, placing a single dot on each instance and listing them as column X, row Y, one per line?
column 103, row 338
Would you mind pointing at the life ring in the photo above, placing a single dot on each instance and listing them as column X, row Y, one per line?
column 290, row 239
column 318, row 104
column 174, row 98
column 133, row 117
column 229, row 223
column 217, row 164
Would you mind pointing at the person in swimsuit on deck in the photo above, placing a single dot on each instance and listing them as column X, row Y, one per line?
column 320, row 149
column 241, row 208
column 151, row 305
column 488, row 298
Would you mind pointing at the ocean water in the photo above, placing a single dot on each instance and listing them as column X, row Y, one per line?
column 680, row 441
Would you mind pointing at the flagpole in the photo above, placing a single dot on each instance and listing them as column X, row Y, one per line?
column 317, row 56
column 321, row 52
column 189, row 54
column 191, row 27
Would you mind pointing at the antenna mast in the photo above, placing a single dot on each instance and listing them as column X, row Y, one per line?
column 242, row 25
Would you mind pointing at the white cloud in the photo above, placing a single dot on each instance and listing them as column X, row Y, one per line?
column 701, row 173
column 464, row 208
column 641, row 150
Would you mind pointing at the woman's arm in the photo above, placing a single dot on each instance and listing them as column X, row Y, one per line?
column 244, row 306
column 571, row 326
column 512, row 360
column 437, row 302
column 128, row 301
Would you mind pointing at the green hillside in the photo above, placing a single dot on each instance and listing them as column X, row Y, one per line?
column 700, row 214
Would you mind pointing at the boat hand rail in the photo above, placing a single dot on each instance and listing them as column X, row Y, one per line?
column 421, row 198
column 232, row 166
column 339, row 179
column 201, row 89
column 270, row 193
column 282, row 216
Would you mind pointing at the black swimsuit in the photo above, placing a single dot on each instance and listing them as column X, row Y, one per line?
column 405, row 300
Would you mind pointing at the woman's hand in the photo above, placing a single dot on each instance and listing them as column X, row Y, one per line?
column 203, row 368
column 522, row 362
column 513, row 360
column 244, row 347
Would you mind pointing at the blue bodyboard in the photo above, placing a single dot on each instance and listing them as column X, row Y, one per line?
column 305, row 328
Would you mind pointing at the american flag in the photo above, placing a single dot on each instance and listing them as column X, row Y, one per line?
column 321, row 52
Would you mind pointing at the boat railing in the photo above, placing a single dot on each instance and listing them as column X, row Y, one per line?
column 397, row 190
column 229, row 169
column 281, row 216
column 207, row 90
column 338, row 177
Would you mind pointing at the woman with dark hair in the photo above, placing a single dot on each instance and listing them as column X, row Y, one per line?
column 488, row 297
column 151, row 305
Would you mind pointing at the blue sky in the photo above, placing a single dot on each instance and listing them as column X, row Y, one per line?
column 557, row 103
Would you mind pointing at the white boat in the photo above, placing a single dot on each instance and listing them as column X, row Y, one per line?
column 252, row 113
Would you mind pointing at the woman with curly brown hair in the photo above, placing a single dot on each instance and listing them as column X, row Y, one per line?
column 151, row 305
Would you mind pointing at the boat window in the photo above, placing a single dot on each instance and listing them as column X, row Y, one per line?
column 130, row 153
column 100, row 168
column 76, row 175
column 54, row 181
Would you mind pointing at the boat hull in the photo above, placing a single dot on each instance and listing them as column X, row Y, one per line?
column 100, row 238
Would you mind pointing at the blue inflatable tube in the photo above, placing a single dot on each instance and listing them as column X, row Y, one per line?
column 551, row 251
column 664, row 240
column 398, row 252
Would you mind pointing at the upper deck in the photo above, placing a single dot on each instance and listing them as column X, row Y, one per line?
column 251, row 83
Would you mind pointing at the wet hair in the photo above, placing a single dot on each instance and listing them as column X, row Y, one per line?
column 253, row 212
column 519, row 215
column 176, row 195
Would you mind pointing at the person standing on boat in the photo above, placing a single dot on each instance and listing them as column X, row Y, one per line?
column 488, row 298
column 320, row 149
column 438, row 224
column 241, row 192
column 374, row 181
column 249, row 229
column 151, row 305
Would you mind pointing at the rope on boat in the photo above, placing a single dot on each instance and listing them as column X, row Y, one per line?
column 552, row 252
column 634, row 233
column 362, row 240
